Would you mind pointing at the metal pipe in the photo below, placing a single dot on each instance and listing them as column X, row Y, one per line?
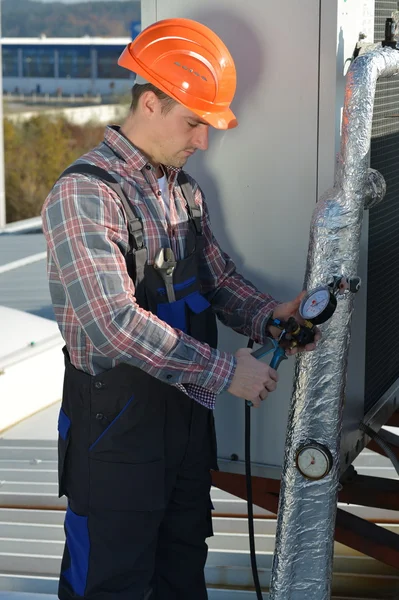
column 303, row 557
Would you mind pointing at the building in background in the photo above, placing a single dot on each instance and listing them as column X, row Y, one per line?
column 63, row 66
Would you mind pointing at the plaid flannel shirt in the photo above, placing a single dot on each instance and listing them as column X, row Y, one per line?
column 93, row 297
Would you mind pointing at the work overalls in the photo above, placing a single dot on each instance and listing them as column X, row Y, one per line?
column 135, row 453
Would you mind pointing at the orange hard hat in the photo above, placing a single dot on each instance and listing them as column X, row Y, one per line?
column 189, row 63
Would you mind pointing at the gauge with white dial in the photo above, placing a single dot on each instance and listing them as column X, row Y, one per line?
column 314, row 461
column 318, row 305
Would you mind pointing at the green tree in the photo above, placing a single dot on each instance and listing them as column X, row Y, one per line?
column 36, row 153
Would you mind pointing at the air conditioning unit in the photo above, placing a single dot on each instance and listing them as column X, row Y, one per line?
column 263, row 179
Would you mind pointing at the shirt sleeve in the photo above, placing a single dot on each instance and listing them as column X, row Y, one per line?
column 237, row 303
column 86, row 234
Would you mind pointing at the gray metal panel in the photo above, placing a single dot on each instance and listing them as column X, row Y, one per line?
column 331, row 100
column 260, row 180
column 148, row 12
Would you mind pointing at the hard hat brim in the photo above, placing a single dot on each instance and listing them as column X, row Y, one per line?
column 221, row 120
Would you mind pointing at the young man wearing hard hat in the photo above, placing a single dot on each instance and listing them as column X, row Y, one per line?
column 137, row 280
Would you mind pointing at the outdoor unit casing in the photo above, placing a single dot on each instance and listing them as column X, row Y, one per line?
column 262, row 181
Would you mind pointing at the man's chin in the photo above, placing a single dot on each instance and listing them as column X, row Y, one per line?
column 179, row 162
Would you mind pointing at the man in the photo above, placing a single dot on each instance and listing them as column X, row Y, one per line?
column 136, row 278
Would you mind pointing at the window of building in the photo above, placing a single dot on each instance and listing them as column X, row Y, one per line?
column 38, row 62
column 10, row 61
column 74, row 62
column 107, row 63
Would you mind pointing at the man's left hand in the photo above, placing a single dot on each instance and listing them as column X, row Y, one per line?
column 291, row 309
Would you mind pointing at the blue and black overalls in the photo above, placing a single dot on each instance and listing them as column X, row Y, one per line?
column 135, row 453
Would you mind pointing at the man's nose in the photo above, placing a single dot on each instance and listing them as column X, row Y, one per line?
column 201, row 139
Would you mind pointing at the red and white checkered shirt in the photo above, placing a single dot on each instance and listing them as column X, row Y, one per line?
column 93, row 297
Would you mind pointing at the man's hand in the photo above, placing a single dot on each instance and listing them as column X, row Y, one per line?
column 284, row 312
column 253, row 380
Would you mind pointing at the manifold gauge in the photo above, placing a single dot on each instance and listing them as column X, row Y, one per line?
column 318, row 305
column 314, row 461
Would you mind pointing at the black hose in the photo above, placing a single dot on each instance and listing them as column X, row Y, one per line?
column 248, row 478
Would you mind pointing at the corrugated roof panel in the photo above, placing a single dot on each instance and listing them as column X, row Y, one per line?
column 31, row 540
column 25, row 287
column 15, row 246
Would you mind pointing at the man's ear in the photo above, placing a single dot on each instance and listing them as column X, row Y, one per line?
column 150, row 104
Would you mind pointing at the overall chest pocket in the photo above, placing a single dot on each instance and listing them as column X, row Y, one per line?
column 187, row 302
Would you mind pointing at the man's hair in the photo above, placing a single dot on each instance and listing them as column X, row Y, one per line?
column 139, row 89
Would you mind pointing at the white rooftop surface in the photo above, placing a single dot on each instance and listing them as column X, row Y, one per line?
column 40, row 426
column 31, row 361
column 31, row 365
column 21, row 330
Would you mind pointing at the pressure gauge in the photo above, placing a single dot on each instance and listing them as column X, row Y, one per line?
column 318, row 305
column 314, row 461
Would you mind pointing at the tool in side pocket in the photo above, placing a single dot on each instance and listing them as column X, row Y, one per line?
column 165, row 264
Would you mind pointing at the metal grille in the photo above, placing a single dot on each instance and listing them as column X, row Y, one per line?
column 382, row 357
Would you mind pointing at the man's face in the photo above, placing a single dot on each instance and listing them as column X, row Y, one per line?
column 178, row 133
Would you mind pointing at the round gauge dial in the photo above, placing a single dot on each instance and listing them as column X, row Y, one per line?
column 314, row 461
column 318, row 305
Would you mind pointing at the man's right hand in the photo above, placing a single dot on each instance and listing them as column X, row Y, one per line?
column 253, row 379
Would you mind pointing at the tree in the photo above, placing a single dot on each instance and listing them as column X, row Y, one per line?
column 36, row 152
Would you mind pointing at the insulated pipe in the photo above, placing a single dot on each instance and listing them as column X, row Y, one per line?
column 302, row 568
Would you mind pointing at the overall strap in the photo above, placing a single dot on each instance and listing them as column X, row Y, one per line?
column 192, row 208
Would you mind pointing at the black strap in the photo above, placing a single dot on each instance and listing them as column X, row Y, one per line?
column 193, row 210
column 134, row 223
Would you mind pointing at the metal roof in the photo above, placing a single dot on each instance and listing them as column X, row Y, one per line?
column 20, row 245
column 23, row 276
column 32, row 537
